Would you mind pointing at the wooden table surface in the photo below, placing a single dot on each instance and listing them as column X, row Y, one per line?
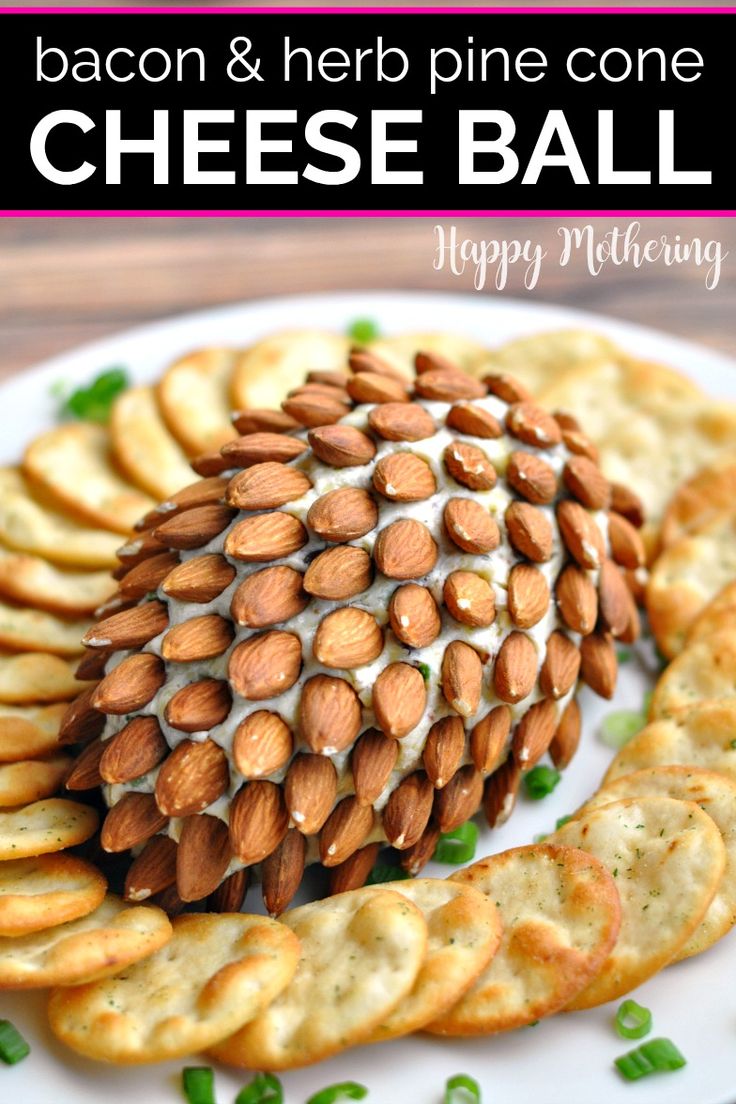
column 66, row 281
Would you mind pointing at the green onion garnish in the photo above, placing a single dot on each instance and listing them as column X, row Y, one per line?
column 265, row 1088
column 346, row 1090
column 424, row 671
column 540, row 781
column 624, row 654
column 633, row 1021
column 656, row 1056
column 618, row 728
column 198, row 1083
column 457, row 846
column 363, row 330
column 13, row 1047
column 93, row 403
column 647, row 702
column 462, row 1089
column 382, row 872
column 562, row 820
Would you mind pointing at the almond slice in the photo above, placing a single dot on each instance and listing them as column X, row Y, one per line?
column 315, row 409
column 469, row 599
column 625, row 502
column 262, row 744
column 202, row 493
column 577, row 599
column 528, row 595
column 470, row 526
column 259, row 821
column 134, row 750
column 587, row 483
column 459, row 799
column 533, row 425
column 201, row 638
column 256, row 448
column 362, row 360
column 137, row 550
column 193, row 776
column 369, row 387
column 148, row 575
column 310, row 788
column 614, row 599
column 515, row 671
column 529, row 531
column 599, row 666
column 404, row 477
column 194, row 528
column 341, row 446
column 580, row 444
column 330, row 714
column 401, row 422
column 85, row 772
column 462, row 675
column 92, row 664
column 500, row 792
column 507, row 387
column 132, row 820
column 567, row 736
column 265, row 537
column 328, row 375
column 415, row 858
column 268, row 421
column 210, row 464
column 399, row 699
column 408, row 810
column 405, row 550
column 414, row 616
column 131, row 685
column 152, row 870
column 201, row 579
column 265, row 665
column 581, row 535
column 266, row 486
column 534, row 734
column 473, row 420
column 373, row 758
column 469, row 465
column 352, row 872
column 130, row 629
column 343, row 514
column 344, row 831
column 199, row 706
column 489, row 739
column 339, row 572
column 443, row 750
column 81, row 722
column 561, row 666
column 531, row 477
column 230, row 894
column 282, row 871
column 448, row 385
column 267, row 597
column 203, row 856
column 627, row 547
column 347, row 638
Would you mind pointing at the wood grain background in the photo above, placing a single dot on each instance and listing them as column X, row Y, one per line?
column 65, row 281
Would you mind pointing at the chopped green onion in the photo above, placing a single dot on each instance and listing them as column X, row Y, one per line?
column 462, row 1089
column 198, row 1083
column 424, row 671
column 540, row 838
column 618, row 728
column 345, row 1090
column 633, row 1021
column 94, row 403
column 656, row 1056
column 562, row 820
column 13, row 1047
column 265, row 1088
column 457, row 846
column 540, row 781
column 363, row 330
column 646, row 703
column 624, row 655
column 383, row 872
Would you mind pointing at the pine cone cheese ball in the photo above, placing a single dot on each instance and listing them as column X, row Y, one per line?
column 366, row 621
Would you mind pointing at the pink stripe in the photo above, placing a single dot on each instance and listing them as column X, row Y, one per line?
column 369, row 11
column 358, row 214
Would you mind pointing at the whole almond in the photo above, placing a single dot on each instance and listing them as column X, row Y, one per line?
column 405, row 550
column 149, row 575
column 529, row 531
column 269, row 421
column 265, row 486
column 470, row 599
column 531, row 477
column 259, row 820
column 443, row 750
column 627, row 547
column 566, row 420
column 532, row 425
column 330, row 714
column 506, row 387
column 462, row 675
column 341, row 446
column 339, row 572
column 262, row 744
column 369, row 387
column 327, row 390
column 500, row 792
column 201, row 638
column 632, row 632
column 202, row 493
column 528, row 595
column 435, row 362
column 193, row 776
column 85, row 773
column 363, row 360
column 599, row 667
column 469, row 465
column 469, row 525
column 473, row 420
column 194, row 528
column 212, row 464
column 489, row 739
column 92, row 665
column 265, row 537
column 577, row 599
column 269, row 596
column 201, row 579
column 404, row 477
column 199, row 706
column 581, row 535
column 131, row 684
column 414, row 616
column 625, row 502
column 561, row 666
column 282, row 871
column 134, row 750
column 314, row 409
column 135, row 551
column 152, row 870
column 257, row 448
column 566, row 737
column 516, row 667
column 459, row 799
column 328, row 375
column 309, row 791
column 415, row 858
column 347, row 638
column 534, row 734
column 614, row 599
column 203, row 856
column 408, row 810
column 587, row 483
column 344, row 831
column 81, row 722
column 132, row 820
column 343, row 514
column 399, row 699
column 580, row 444
column 230, row 894
column 352, row 872
column 265, row 665
column 448, row 385
column 371, row 762
column 401, row 422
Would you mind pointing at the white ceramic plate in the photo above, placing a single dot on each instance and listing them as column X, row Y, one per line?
column 563, row 1060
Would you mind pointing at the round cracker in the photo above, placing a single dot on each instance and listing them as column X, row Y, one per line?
column 702, row 496
column 45, row 826
column 719, row 614
column 216, row 973
column 685, row 578
column 47, row 890
column 29, row 731
column 704, row 671
column 36, row 677
column 72, row 464
column 102, row 943
column 31, row 779
column 560, row 914
column 267, row 371
column 716, row 795
column 537, row 360
column 144, row 448
column 361, row 954
column 667, row 858
column 30, row 525
column 32, row 630
column 702, row 736
column 401, row 349
column 464, row 929
column 33, row 581
column 193, row 399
